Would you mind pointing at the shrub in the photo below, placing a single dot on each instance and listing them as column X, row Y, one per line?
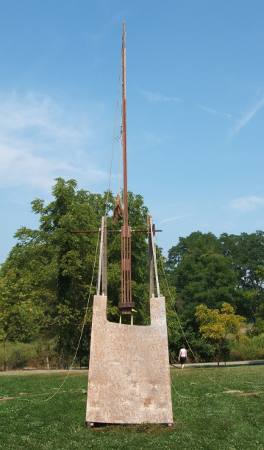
column 248, row 348
column 18, row 355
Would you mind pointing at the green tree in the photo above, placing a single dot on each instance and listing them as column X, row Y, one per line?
column 20, row 317
column 219, row 326
column 51, row 267
column 200, row 273
column 246, row 252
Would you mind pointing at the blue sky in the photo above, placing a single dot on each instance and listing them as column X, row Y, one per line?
column 195, row 108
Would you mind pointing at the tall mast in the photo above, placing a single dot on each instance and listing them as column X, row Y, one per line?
column 124, row 143
column 125, row 304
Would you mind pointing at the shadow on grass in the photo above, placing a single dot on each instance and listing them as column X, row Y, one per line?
column 139, row 428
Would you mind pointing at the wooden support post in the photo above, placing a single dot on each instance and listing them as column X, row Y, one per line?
column 155, row 267
column 99, row 278
column 104, row 259
column 102, row 269
column 151, row 263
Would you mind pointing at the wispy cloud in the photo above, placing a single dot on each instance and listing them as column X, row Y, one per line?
column 214, row 112
column 174, row 219
column 39, row 141
column 247, row 203
column 249, row 115
column 157, row 97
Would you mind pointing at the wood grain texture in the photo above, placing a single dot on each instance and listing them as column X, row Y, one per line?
column 129, row 379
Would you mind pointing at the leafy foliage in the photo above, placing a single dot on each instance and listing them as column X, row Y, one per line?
column 219, row 325
column 45, row 281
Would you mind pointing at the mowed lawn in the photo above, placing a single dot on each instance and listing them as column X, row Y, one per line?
column 213, row 409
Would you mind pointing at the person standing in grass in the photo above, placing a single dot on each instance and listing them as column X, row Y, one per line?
column 182, row 356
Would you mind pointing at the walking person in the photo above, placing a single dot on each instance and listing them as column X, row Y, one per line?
column 182, row 356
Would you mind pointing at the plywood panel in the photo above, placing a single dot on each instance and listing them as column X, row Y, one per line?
column 129, row 379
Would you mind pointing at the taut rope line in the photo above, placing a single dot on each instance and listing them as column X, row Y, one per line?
column 81, row 333
column 83, row 325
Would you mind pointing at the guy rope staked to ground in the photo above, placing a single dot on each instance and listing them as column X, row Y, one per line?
column 108, row 339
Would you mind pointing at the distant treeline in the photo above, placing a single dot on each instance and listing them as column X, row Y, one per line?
column 44, row 284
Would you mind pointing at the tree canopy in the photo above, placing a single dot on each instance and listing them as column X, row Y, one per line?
column 46, row 277
column 45, row 280
column 219, row 325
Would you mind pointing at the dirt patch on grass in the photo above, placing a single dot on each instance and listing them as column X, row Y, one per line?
column 4, row 399
column 239, row 393
column 251, row 394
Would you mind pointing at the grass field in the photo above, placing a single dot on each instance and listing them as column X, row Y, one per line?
column 213, row 409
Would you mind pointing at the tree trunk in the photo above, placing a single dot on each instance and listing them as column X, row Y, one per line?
column 5, row 362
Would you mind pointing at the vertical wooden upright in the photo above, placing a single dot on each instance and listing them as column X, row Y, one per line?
column 129, row 375
column 125, row 304
column 104, row 258
column 151, row 261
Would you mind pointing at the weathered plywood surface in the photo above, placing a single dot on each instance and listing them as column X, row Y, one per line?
column 129, row 379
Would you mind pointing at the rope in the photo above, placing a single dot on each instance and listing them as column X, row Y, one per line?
column 96, row 253
column 196, row 358
column 25, row 396
column 114, row 139
column 82, row 328
column 177, row 316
